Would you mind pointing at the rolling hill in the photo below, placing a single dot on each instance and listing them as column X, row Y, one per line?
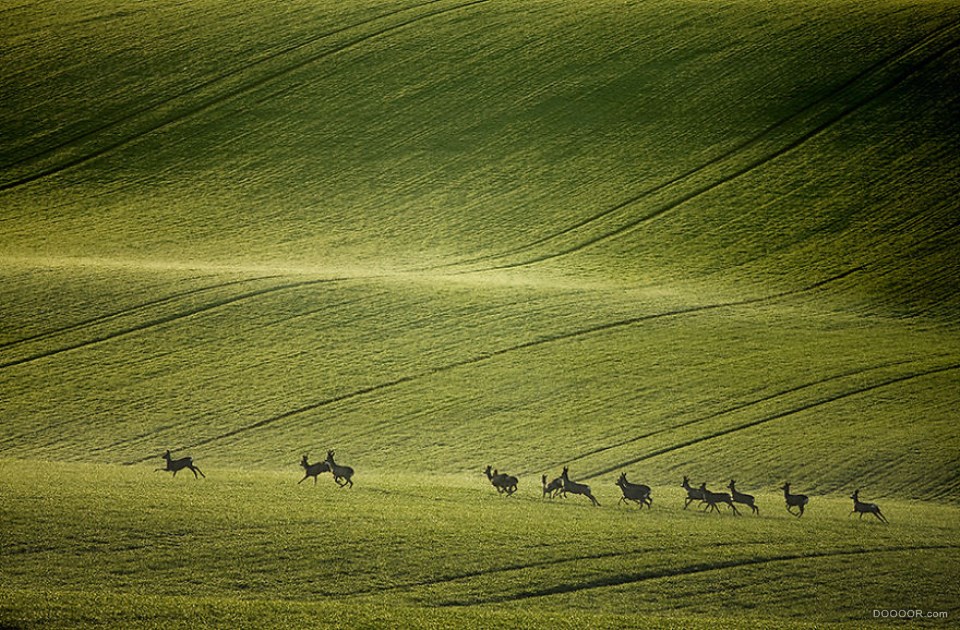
column 669, row 238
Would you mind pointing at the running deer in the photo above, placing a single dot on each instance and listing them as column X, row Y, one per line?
column 636, row 492
column 553, row 488
column 341, row 474
column 312, row 470
column 739, row 497
column 176, row 465
column 576, row 488
column 794, row 500
column 693, row 494
column 712, row 498
column 502, row 481
column 865, row 508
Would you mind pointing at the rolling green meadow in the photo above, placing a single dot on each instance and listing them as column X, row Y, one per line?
column 717, row 239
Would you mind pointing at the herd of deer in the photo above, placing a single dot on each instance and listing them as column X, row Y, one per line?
column 641, row 494
column 506, row 484
column 343, row 475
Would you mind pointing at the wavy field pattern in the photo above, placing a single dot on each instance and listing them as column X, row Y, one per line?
column 667, row 238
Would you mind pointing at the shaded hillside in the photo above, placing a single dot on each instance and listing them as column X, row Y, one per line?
column 660, row 236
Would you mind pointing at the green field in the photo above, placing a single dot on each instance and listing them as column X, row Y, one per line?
column 674, row 237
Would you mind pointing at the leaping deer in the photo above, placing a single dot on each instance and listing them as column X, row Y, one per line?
column 312, row 470
column 576, row 488
column 865, row 508
column 636, row 492
column 176, row 465
column 341, row 474
column 553, row 488
column 794, row 500
column 739, row 497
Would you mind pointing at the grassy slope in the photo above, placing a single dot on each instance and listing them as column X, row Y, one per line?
column 670, row 238
column 433, row 549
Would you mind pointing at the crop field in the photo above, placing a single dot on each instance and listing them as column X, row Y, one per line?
column 672, row 238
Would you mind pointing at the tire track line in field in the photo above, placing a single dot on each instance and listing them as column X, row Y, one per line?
column 692, row 569
column 492, row 354
column 524, row 566
column 900, row 55
column 729, row 410
column 779, row 415
column 126, row 311
column 243, row 89
column 207, row 84
column 166, row 319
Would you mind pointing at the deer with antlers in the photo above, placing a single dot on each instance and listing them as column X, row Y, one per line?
column 312, row 470
column 862, row 508
column 176, row 465
column 343, row 475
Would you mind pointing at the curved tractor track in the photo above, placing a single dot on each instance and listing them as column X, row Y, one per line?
column 780, row 138
column 226, row 87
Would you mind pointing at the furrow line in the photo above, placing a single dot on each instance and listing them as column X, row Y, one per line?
column 127, row 311
column 743, row 170
column 212, row 82
column 777, row 416
column 219, row 100
column 565, row 336
column 521, row 567
column 729, row 410
column 693, row 569
column 163, row 320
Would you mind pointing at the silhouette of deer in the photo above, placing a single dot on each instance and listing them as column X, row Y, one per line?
column 865, row 508
column 510, row 482
column 176, row 465
column 693, row 494
column 576, row 488
column 503, row 482
column 712, row 498
column 636, row 492
column 739, row 497
column 312, row 470
column 553, row 488
column 794, row 500
column 341, row 474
